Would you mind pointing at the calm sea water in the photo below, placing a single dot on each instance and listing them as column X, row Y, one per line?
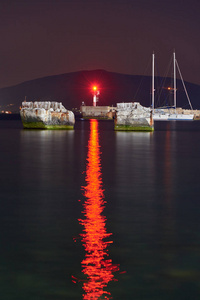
column 93, row 213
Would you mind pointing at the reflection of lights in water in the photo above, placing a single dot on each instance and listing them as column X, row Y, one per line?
column 124, row 136
column 167, row 161
column 99, row 271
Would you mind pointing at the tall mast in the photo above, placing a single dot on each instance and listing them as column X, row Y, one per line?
column 153, row 58
column 174, row 81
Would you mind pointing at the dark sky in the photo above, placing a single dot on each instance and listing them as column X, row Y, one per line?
column 42, row 38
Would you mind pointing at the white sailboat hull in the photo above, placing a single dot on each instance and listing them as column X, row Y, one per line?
column 173, row 117
column 181, row 117
column 160, row 117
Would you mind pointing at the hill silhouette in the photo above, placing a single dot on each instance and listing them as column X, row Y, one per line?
column 73, row 88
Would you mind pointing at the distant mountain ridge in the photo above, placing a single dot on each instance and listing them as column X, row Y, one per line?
column 73, row 88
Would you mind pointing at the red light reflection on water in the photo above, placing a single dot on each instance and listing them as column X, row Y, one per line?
column 96, row 266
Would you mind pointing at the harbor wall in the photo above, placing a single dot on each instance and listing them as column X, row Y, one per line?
column 104, row 112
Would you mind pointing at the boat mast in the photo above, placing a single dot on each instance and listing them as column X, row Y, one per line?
column 174, row 81
column 153, row 58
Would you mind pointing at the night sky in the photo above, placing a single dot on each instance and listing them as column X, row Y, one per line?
column 43, row 38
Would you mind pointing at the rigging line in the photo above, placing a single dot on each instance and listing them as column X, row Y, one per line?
column 184, row 85
column 158, row 80
column 141, row 81
column 164, row 78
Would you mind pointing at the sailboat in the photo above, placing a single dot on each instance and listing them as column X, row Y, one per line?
column 168, row 114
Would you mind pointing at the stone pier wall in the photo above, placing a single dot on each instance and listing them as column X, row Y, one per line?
column 106, row 112
column 47, row 105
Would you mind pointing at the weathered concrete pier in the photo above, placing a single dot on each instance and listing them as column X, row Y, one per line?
column 46, row 115
column 133, row 117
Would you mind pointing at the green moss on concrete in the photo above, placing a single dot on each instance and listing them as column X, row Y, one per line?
column 59, row 127
column 133, row 128
column 40, row 125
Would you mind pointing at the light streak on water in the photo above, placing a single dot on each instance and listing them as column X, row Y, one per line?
column 96, row 265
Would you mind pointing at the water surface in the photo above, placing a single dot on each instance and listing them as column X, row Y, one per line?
column 148, row 209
